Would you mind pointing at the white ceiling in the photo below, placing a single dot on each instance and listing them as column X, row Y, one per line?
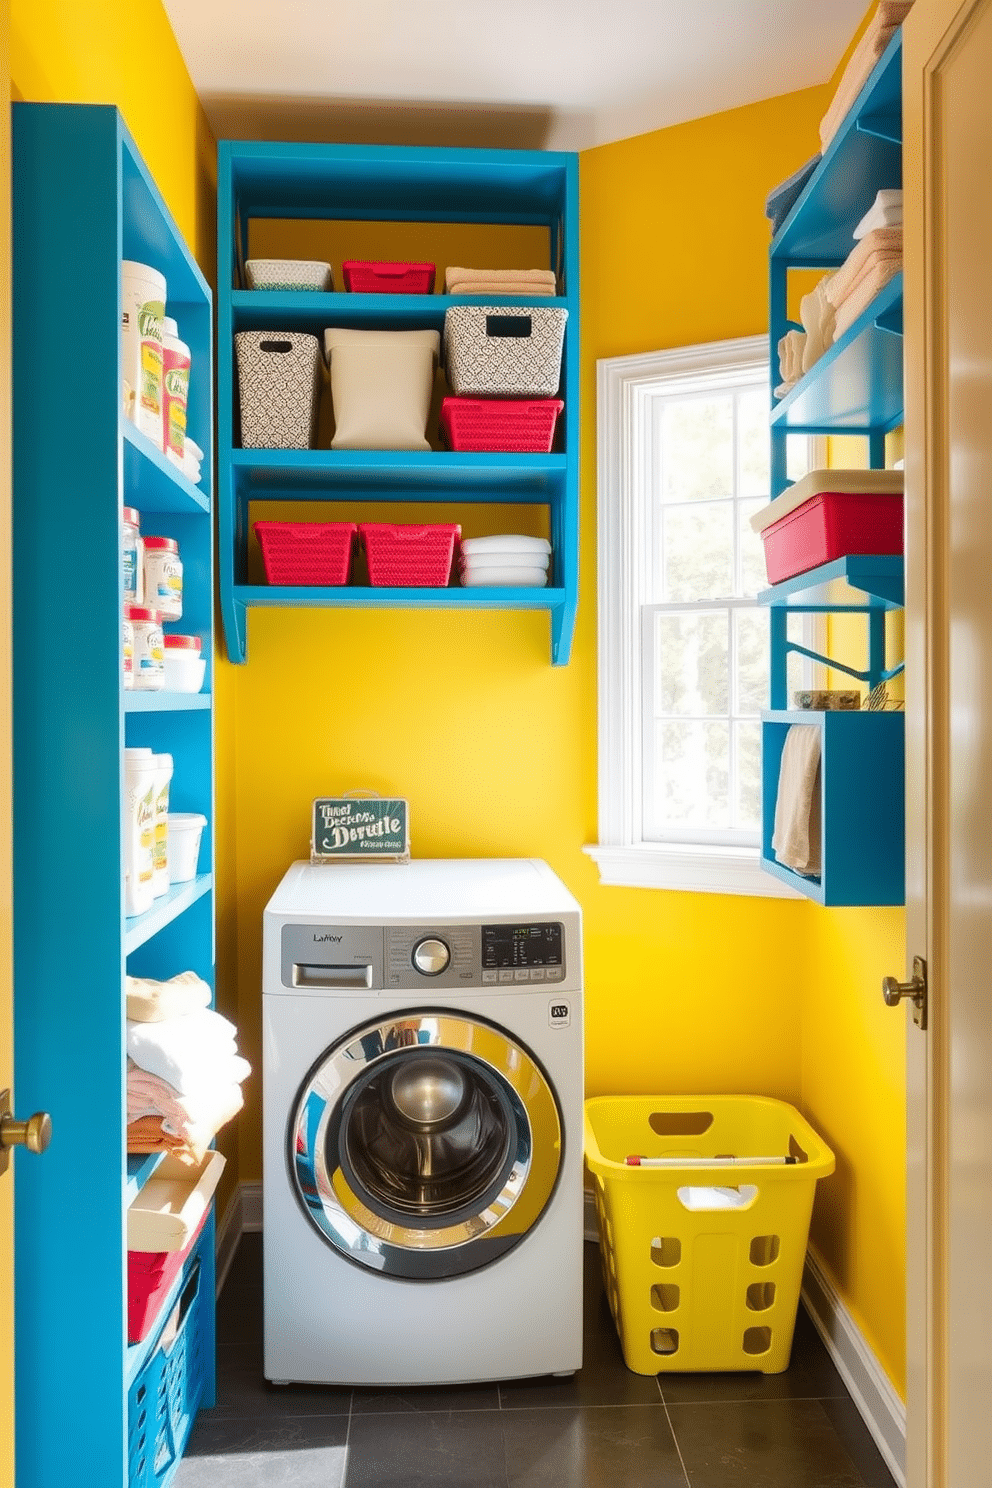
column 557, row 74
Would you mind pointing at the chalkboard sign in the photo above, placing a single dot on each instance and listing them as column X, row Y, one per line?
column 359, row 827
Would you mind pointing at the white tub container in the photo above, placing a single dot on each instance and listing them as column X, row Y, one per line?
column 184, row 666
column 143, row 293
column 185, row 831
column 140, row 774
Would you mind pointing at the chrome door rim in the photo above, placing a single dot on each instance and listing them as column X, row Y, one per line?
column 393, row 1245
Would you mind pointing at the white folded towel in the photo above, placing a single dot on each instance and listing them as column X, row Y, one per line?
column 186, row 1052
column 885, row 211
column 796, row 838
column 506, row 560
column 505, row 542
column 517, row 576
column 817, row 315
column 150, row 1002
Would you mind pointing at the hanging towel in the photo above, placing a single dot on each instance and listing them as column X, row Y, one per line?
column 150, row 1002
column 817, row 315
column 796, row 838
column 868, row 287
column 782, row 198
column 879, row 32
column 185, row 1052
column 885, row 211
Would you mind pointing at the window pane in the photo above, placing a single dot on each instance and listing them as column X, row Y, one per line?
column 752, row 430
column 692, row 664
column 692, row 775
column 698, row 544
column 754, row 575
column 751, row 641
column 797, row 456
column 697, row 449
column 747, row 742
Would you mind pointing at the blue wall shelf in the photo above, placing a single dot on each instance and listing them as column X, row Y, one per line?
column 856, row 387
column 83, row 200
column 392, row 183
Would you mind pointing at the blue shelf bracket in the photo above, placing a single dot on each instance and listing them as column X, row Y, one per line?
column 881, row 126
column 562, row 627
column 237, row 632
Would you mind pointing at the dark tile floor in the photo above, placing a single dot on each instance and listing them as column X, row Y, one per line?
column 604, row 1428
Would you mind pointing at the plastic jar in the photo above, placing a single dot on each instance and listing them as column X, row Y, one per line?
column 127, row 647
column 185, row 831
column 131, row 564
column 175, row 387
column 160, row 870
column 140, row 773
column 143, row 311
column 163, row 576
column 184, row 666
column 148, row 665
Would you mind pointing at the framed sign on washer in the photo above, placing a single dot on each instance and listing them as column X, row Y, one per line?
column 360, row 827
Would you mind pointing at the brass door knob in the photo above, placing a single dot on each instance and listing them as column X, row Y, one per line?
column 893, row 991
column 34, row 1134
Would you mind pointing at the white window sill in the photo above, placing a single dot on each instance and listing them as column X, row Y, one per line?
column 688, row 867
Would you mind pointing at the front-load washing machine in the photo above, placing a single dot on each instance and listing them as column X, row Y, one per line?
column 422, row 1084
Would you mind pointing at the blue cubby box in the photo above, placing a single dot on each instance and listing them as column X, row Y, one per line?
column 856, row 387
column 83, row 201
column 399, row 184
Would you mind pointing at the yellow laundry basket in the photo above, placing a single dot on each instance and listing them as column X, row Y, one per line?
column 703, row 1261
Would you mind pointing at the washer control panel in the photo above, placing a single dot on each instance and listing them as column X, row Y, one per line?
column 522, row 953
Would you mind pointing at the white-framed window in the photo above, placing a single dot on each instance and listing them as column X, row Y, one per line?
column 683, row 647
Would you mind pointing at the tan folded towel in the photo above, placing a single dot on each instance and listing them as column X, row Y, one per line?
column 858, row 301
column 884, row 241
column 492, row 287
column 148, row 1136
column 817, row 315
column 153, row 1002
column 879, row 32
column 790, row 356
column 796, row 838
column 525, row 281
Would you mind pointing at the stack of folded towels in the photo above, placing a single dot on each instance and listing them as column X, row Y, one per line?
column 865, row 272
column 499, row 282
column 879, row 32
column 507, row 559
column 184, row 1073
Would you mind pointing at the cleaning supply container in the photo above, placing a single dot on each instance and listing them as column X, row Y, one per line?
column 703, row 1235
column 185, row 831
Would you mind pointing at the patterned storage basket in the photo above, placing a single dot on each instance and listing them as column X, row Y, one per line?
column 279, row 383
column 306, row 552
column 288, row 274
column 401, row 555
column 508, row 351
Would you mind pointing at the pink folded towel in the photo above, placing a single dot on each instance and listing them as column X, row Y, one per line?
column 879, row 32
column 883, row 242
column 856, row 303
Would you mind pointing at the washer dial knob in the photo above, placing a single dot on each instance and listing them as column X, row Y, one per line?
column 431, row 956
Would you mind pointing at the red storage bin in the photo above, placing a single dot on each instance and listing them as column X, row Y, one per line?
column 400, row 554
column 831, row 514
column 306, row 552
column 150, row 1274
column 364, row 276
column 521, row 424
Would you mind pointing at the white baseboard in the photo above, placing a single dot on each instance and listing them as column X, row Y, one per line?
column 242, row 1215
column 870, row 1388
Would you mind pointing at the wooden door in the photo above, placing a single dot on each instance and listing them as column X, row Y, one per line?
column 6, row 999
column 948, row 247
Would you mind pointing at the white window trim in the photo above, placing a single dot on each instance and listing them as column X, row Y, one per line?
column 623, row 560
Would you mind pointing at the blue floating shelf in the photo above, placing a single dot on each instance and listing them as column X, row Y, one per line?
column 855, row 582
column 140, row 928
column 167, row 702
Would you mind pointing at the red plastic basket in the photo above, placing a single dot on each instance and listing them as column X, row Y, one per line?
column 522, row 424
column 364, row 276
column 306, row 552
column 150, row 1274
column 400, row 554
column 831, row 525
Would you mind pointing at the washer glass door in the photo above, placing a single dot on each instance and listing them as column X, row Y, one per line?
column 426, row 1145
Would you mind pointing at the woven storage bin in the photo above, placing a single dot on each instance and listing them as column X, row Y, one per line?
column 306, row 552
column 363, row 276
column 279, row 386
column 524, row 425
column 509, row 352
column 703, row 1264
column 401, row 555
column 288, row 274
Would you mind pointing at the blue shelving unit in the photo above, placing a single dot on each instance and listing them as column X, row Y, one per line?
column 83, row 201
column 856, row 387
column 398, row 184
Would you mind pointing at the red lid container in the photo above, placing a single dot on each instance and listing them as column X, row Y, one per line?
column 832, row 524
column 138, row 612
column 366, row 276
column 182, row 643
column 162, row 544
column 132, row 515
